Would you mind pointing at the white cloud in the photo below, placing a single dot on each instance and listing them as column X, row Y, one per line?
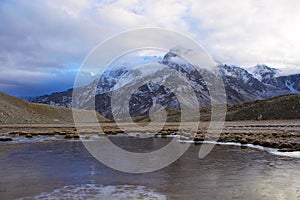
column 249, row 32
column 48, row 36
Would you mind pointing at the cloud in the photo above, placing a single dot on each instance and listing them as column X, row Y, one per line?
column 249, row 32
column 43, row 43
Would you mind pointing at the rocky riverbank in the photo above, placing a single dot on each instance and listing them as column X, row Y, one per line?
column 282, row 140
column 282, row 135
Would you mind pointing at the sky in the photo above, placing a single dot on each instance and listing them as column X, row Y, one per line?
column 43, row 43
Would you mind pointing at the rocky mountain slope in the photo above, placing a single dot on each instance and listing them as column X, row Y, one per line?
column 241, row 85
column 17, row 111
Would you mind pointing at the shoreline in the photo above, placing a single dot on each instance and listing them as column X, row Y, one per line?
column 45, row 140
column 277, row 134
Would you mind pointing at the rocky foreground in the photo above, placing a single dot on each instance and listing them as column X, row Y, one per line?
column 283, row 135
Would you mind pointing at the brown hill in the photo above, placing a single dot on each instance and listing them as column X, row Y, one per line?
column 279, row 108
column 17, row 111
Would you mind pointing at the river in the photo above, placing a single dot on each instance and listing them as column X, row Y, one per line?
column 65, row 170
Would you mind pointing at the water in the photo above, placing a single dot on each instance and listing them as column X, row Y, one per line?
column 65, row 170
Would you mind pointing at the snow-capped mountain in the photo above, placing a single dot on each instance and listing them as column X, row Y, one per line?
column 270, row 76
column 264, row 73
column 262, row 82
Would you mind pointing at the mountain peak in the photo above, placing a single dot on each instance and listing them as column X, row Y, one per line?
column 264, row 73
column 264, row 67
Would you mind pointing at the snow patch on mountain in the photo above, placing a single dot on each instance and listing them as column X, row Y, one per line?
column 290, row 86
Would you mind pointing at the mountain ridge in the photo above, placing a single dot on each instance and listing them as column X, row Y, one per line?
column 241, row 86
